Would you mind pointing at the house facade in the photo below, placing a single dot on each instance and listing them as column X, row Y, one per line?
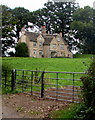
column 45, row 45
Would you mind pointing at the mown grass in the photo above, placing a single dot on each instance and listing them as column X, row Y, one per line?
column 48, row 64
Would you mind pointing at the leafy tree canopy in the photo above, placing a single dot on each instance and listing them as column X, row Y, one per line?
column 83, row 26
column 21, row 50
column 22, row 16
column 8, row 33
column 56, row 17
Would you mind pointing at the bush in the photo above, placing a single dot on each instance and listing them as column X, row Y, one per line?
column 6, row 68
column 87, row 109
column 6, row 77
column 22, row 50
column 83, row 55
column 88, row 88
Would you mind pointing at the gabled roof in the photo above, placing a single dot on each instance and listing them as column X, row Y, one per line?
column 47, row 37
column 32, row 36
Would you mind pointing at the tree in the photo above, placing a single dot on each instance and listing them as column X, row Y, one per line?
column 83, row 26
column 22, row 16
column 8, row 32
column 21, row 50
column 56, row 17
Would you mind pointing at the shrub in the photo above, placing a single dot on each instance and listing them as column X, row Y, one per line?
column 6, row 68
column 87, row 109
column 83, row 55
column 22, row 50
column 6, row 77
column 88, row 88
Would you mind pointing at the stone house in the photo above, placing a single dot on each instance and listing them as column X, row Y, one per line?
column 45, row 45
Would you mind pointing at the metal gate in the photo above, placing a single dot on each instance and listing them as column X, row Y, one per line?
column 63, row 86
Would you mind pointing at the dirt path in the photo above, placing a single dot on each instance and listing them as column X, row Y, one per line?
column 26, row 106
column 9, row 112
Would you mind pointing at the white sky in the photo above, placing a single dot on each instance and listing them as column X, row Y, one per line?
column 33, row 5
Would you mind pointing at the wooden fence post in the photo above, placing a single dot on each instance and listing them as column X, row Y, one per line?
column 13, row 79
column 42, row 85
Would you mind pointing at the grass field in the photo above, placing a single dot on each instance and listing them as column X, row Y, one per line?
column 48, row 64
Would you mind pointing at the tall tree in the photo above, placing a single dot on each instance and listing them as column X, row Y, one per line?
column 83, row 26
column 8, row 32
column 56, row 16
column 22, row 16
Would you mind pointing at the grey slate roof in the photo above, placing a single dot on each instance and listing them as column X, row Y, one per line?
column 48, row 37
column 32, row 36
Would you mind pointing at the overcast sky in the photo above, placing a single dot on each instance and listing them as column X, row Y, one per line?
column 33, row 5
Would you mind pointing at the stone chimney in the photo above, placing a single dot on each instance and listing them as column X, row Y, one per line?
column 43, row 29
column 60, row 34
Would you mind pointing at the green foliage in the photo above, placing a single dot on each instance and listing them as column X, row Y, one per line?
column 6, row 77
column 83, row 56
column 6, row 68
column 83, row 24
column 8, row 34
column 21, row 50
column 87, row 109
column 22, row 17
column 88, row 88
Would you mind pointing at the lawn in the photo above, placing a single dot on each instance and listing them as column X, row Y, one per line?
column 48, row 64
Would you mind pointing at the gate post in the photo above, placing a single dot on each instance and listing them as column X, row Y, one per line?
column 42, row 85
column 13, row 79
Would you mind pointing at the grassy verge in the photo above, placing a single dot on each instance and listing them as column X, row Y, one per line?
column 67, row 113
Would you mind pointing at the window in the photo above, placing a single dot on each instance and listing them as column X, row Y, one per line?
column 40, row 44
column 61, row 46
column 34, row 43
column 54, row 46
column 40, row 52
column 34, row 51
